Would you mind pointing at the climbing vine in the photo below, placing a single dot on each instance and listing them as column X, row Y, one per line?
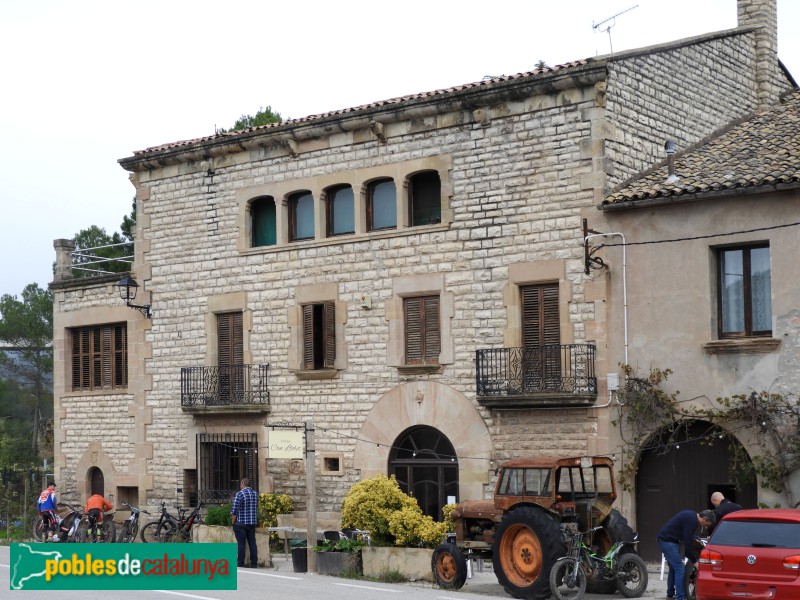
column 653, row 420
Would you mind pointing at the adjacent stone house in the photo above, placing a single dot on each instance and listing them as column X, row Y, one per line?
column 407, row 274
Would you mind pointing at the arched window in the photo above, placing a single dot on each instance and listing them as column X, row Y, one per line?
column 301, row 216
column 425, row 464
column 96, row 481
column 425, row 199
column 262, row 215
column 339, row 211
column 381, row 205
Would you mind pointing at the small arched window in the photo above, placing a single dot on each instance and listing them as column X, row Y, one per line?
column 262, row 214
column 301, row 216
column 339, row 211
column 381, row 205
column 425, row 199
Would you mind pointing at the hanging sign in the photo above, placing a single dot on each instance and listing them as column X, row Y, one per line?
column 285, row 444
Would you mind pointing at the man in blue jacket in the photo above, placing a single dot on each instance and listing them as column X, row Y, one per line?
column 677, row 532
column 48, row 507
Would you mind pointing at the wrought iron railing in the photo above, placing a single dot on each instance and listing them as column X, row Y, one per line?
column 565, row 369
column 225, row 385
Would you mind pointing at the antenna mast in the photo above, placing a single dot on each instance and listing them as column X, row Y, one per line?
column 596, row 26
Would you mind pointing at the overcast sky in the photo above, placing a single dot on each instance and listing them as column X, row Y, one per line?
column 83, row 84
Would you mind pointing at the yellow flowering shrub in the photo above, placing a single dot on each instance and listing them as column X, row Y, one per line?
column 391, row 516
column 370, row 503
column 447, row 513
column 270, row 505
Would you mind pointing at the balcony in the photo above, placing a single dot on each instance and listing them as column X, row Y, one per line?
column 536, row 377
column 225, row 389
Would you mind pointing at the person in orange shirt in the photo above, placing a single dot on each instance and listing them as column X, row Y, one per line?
column 94, row 506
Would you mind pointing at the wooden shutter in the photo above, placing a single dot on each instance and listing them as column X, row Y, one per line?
column 329, row 333
column 422, row 331
column 540, row 321
column 230, row 341
column 308, row 336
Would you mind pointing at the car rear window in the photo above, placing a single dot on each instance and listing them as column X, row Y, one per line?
column 758, row 534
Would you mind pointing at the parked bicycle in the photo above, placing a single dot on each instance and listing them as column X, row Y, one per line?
column 169, row 528
column 39, row 525
column 568, row 575
column 104, row 532
column 130, row 528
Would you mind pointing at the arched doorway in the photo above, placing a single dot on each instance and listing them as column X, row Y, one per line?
column 680, row 469
column 425, row 464
column 96, row 481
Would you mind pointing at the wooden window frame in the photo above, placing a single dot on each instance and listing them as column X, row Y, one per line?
column 423, row 330
column 330, row 211
column 100, row 357
column 293, row 223
column 319, row 335
column 370, row 211
column 747, row 307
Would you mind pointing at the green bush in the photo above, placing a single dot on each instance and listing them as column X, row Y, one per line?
column 413, row 529
column 219, row 515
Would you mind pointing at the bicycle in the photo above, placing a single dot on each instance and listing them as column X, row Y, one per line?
column 105, row 530
column 169, row 528
column 569, row 573
column 152, row 531
column 39, row 526
column 130, row 528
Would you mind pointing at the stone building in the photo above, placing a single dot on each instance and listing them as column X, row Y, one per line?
column 408, row 274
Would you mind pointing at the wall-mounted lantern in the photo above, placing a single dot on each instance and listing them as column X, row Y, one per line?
column 127, row 291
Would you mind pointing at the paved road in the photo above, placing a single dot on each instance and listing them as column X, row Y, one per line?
column 280, row 581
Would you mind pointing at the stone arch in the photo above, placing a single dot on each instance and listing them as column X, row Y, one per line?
column 435, row 405
column 92, row 460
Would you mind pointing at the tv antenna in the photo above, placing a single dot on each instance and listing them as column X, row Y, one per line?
column 596, row 26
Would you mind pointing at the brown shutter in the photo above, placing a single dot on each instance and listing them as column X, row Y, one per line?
column 308, row 336
column 413, row 321
column 230, row 339
column 540, row 321
column 433, row 344
column 329, row 335
column 105, row 356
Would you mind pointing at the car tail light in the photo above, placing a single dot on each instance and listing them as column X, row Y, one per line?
column 792, row 562
column 710, row 557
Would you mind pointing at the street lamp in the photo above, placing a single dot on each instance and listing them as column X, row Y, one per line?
column 127, row 291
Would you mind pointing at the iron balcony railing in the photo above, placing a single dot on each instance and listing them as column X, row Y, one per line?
column 225, row 385
column 560, row 369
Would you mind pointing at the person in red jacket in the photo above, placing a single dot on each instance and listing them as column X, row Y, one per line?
column 96, row 505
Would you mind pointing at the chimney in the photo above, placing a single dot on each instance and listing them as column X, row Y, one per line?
column 669, row 148
column 764, row 15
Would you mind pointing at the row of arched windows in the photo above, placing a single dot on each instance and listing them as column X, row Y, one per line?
column 380, row 207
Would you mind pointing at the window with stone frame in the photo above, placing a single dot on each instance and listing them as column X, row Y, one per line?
column 425, row 199
column 340, row 211
column 263, row 221
column 100, row 357
column 301, row 216
column 223, row 459
column 319, row 335
column 381, row 205
column 744, row 291
column 422, row 330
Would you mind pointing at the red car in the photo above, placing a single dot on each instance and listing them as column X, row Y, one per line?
column 752, row 554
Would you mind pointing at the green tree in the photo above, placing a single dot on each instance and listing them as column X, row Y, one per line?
column 128, row 225
column 264, row 116
column 26, row 334
column 85, row 262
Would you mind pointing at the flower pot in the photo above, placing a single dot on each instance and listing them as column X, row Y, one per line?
column 413, row 563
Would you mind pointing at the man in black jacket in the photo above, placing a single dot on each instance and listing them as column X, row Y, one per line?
column 722, row 506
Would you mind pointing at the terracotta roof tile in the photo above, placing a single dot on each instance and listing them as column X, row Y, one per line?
column 762, row 150
column 487, row 82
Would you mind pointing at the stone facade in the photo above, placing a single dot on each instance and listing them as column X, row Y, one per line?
column 522, row 161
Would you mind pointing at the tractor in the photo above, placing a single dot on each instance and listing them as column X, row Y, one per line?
column 537, row 503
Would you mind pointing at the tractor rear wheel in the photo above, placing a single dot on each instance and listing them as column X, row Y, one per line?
column 527, row 544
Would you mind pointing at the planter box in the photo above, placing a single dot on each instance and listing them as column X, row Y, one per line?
column 219, row 534
column 337, row 563
column 414, row 563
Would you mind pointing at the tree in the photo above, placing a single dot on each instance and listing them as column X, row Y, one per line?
column 103, row 248
column 128, row 225
column 26, row 334
column 264, row 116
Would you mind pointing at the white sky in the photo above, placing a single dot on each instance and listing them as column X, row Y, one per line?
column 85, row 83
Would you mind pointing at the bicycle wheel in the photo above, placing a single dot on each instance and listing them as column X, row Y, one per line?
column 567, row 580
column 38, row 529
column 168, row 532
column 148, row 533
column 122, row 536
column 109, row 532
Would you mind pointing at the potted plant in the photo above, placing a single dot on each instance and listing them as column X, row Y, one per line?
column 339, row 557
